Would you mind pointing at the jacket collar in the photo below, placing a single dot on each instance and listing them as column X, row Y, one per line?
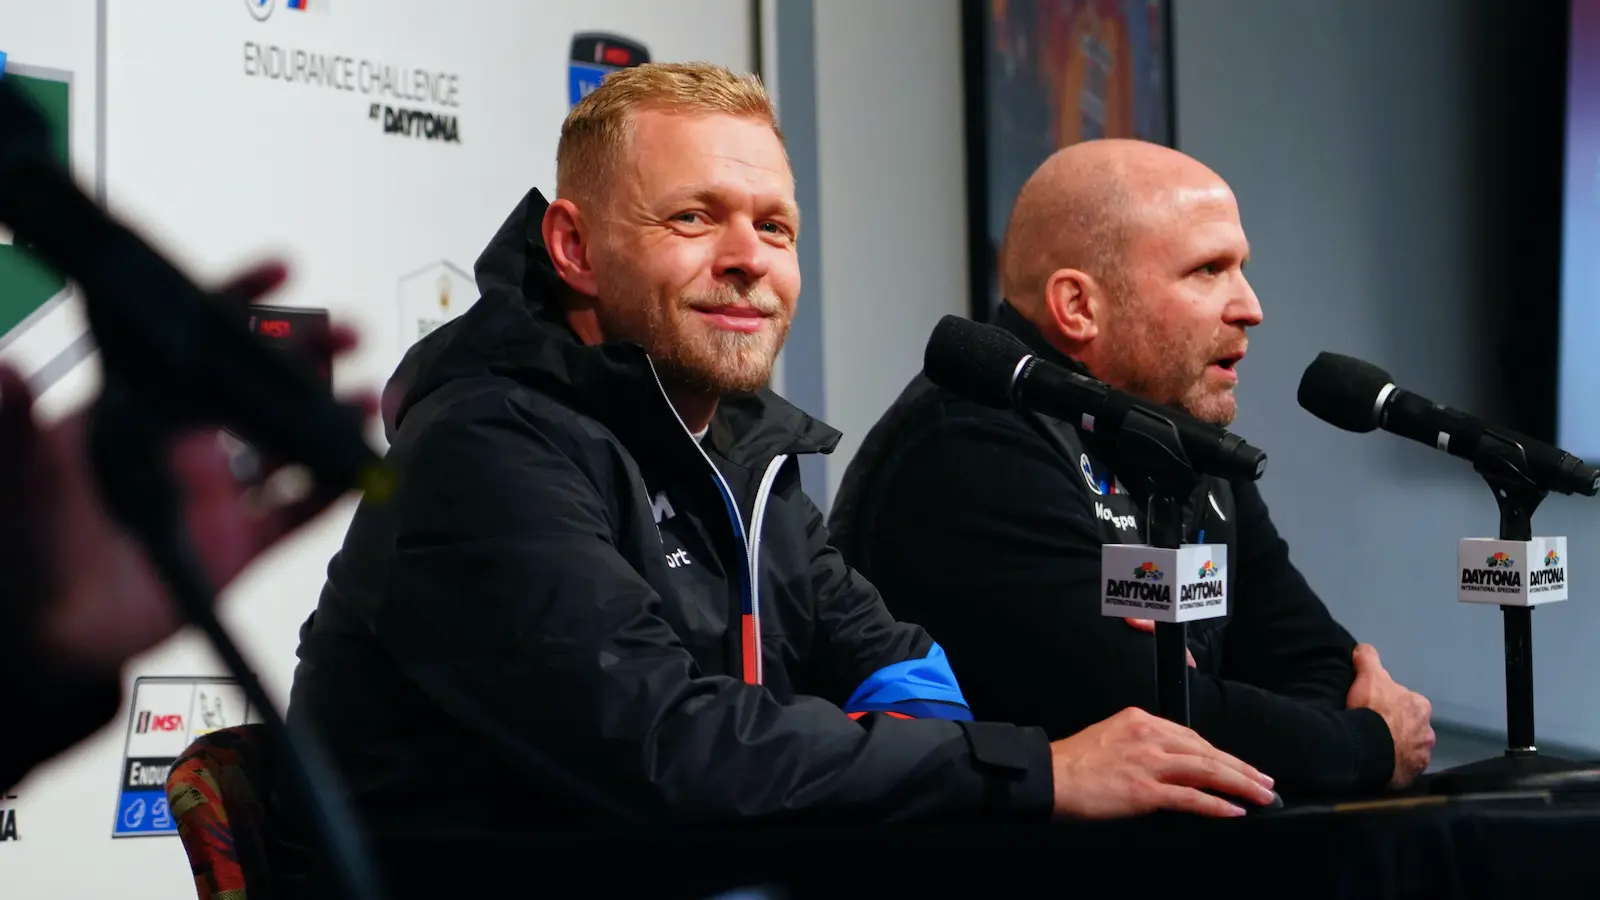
column 1007, row 317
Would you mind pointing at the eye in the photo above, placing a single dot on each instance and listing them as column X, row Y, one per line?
column 690, row 217
column 1212, row 268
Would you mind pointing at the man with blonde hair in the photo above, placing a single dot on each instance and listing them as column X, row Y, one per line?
column 600, row 596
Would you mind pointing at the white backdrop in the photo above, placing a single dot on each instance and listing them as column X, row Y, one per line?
column 221, row 165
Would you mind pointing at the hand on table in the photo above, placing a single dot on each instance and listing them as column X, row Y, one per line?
column 1134, row 763
column 1407, row 713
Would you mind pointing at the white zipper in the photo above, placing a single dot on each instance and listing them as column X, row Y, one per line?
column 752, row 538
column 758, row 513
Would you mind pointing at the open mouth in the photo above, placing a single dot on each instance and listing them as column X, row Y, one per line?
column 1227, row 364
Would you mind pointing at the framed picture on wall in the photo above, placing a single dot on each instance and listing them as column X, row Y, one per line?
column 1044, row 74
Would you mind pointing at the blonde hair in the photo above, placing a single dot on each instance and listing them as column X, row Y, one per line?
column 597, row 130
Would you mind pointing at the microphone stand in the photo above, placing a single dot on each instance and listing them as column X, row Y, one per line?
column 129, row 432
column 1150, row 447
column 156, row 382
column 1503, row 465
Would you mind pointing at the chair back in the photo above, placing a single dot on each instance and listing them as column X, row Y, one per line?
column 218, row 792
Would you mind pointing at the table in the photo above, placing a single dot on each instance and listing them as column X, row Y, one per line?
column 1509, row 846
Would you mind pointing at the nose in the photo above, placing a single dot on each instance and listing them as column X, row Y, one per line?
column 1244, row 309
column 741, row 253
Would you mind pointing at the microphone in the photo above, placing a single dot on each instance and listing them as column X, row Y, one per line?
column 189, row 352
column 991, row 366
column 1358, row 396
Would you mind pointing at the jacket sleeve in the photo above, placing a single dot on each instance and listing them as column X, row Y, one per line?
column 986, row 538
column 1281, row 635
column 879, row 664
column 512, row 609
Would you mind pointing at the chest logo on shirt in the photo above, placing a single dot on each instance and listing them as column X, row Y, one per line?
column 1098, row 485
column 1088, row 474
column 661, row 507
column 678, row 559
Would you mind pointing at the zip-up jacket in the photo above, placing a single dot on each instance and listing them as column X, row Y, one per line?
column 985, row 526
column 572, row 614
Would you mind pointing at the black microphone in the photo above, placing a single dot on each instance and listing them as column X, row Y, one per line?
column 989, row 365
column 189, row 351
column 1358, row 396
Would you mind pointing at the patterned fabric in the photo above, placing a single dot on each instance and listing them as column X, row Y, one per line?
column 217, row 793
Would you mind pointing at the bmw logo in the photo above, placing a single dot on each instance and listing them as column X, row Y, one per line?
column 261, row 9
column 1088, row 474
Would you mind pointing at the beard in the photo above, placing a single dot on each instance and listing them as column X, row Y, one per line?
column 1168, row 368
column 691, row 354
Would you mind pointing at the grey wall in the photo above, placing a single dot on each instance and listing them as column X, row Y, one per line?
column 869, row 95
column 1370, row 157
column 1379, row 156
column 893, row 222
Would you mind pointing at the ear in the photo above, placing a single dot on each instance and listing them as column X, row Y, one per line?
column 568, row 238
column 1075, row 304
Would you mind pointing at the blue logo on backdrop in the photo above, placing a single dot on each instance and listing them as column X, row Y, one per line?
column 144, row 812
column 594, row 56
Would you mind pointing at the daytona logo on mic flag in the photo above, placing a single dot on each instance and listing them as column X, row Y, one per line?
column 1512, row 573
column 1182, row 585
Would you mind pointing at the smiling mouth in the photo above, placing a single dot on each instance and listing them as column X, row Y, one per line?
column 747, row 312
column 734, row 318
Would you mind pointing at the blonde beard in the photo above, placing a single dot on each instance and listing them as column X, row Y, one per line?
column 721, row 363
column 714, row 361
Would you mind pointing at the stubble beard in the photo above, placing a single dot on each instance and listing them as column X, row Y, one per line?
column 693, row 356
column 1169, row 371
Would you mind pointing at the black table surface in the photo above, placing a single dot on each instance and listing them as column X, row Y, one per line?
column 1513, row 845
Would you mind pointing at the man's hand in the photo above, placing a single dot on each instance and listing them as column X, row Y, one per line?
column 76, row 582
column 1406, row 712
column 1149, row 627
column 1134, row 763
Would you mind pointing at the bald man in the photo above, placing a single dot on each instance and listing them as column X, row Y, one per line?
column 1124, row 260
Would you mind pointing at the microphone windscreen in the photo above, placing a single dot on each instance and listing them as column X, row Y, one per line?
column 1343, row 391
column 974, row 360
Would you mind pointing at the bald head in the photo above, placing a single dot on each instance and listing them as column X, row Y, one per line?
column 1083, row 206
column 1129, row 257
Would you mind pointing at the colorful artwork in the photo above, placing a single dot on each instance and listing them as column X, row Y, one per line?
column 1053, row 73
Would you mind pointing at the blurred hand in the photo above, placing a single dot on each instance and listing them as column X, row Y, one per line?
column 1149, row 626
column 1134, row 763
column 1407, row 713
column 75, row 579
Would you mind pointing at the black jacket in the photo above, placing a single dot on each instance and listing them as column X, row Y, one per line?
column 985, row 526
column 544, row 627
